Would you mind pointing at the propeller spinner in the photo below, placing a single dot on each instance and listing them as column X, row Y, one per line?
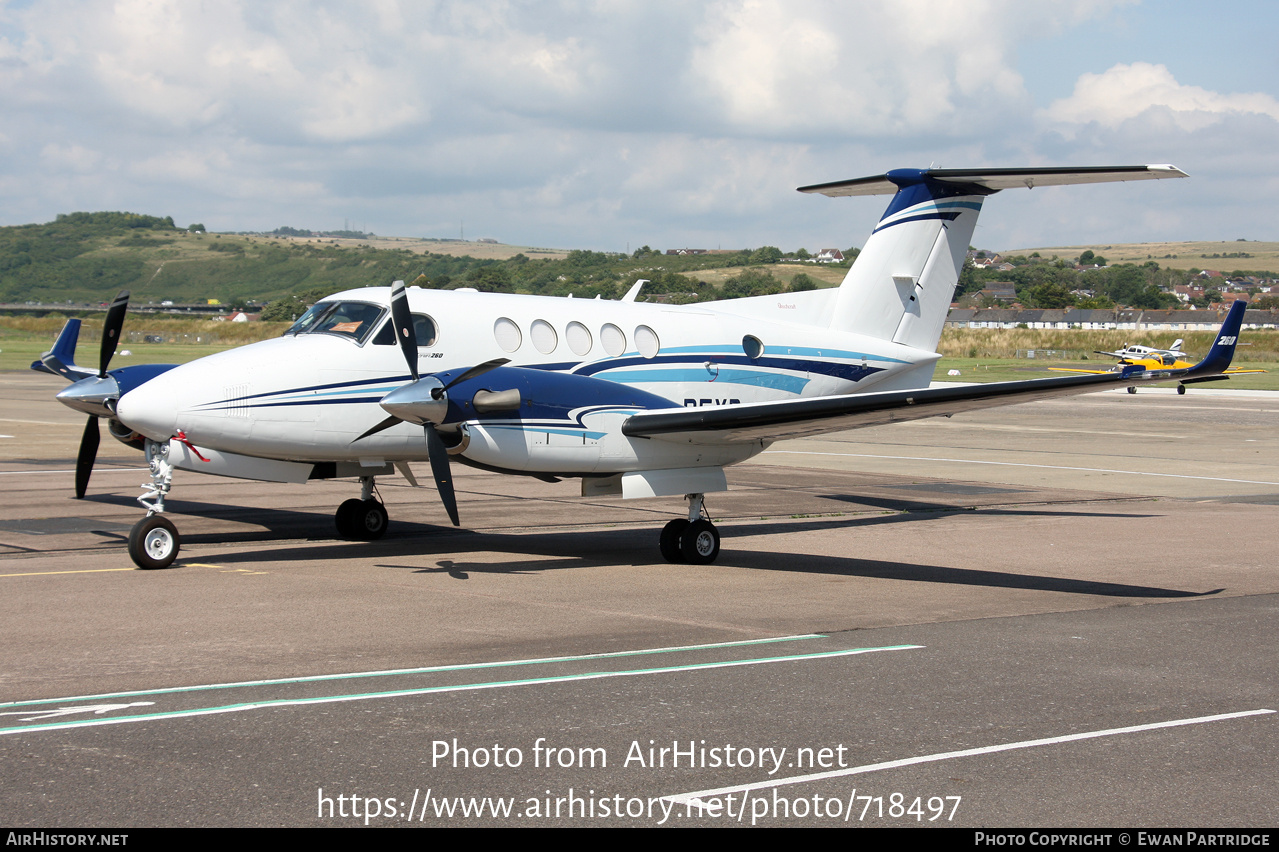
column 424, row 401
column 96, row 395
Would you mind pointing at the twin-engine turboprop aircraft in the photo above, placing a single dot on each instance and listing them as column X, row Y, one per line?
column 634, row 399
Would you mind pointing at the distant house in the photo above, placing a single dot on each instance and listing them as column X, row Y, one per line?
column 1002, row 291
column 829, row 256
column 1096, row 319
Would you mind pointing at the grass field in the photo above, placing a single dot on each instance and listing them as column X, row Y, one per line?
column 456, row 248
column 828, row 275
column 1263, row 256
column 1018, row 370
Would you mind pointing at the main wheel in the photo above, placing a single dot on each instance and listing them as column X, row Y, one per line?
column 347, row 519
column 1132, row 390
column 700, row 543
column 1181, row 389
column 154, row 543
column 371, row 520
column 669, row 542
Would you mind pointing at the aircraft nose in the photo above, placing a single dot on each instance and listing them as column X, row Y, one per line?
column 149, row 409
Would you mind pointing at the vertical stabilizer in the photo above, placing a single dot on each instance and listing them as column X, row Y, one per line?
column 901, row 284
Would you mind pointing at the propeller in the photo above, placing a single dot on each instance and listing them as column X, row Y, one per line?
column 89, row 441
column 424, row 401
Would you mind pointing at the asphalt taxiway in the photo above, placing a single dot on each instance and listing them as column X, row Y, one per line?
column 1060, row 613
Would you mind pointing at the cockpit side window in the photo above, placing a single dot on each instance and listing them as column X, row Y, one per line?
column 309, row 318
column 424, row 330
column 355, row 320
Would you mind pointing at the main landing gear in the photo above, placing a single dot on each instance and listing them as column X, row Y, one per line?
column 1181, row 390
column 695, row 540
column 364, row 519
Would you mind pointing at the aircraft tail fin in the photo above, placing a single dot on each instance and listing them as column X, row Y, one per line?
column 1223, row 348
column 901, row 285
column 60, row 360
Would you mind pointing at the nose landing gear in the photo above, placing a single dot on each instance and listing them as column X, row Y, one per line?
column 154, row 541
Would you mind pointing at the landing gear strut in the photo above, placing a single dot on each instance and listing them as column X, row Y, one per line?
column 154, row 541
column 364, row 519
column 695, row 540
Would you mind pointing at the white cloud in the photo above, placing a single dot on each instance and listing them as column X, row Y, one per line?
column 578, row 122
column 1128, row 91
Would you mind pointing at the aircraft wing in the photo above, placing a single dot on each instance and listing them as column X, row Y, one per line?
column 997, row 179
column 1074, row 370
column 798, row 418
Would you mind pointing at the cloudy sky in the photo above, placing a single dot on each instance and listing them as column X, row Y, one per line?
column 609, row 125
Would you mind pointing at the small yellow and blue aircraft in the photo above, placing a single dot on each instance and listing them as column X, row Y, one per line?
column 1149, row 358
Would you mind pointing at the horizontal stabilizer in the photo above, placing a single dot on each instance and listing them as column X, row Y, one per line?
column 993, row 180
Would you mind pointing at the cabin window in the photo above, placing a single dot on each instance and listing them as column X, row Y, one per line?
column 752, row 346
column 614, row 339
column 579, row 338
column 507, row 334
column 646, row 341
column 544, row 337
column 354, row 320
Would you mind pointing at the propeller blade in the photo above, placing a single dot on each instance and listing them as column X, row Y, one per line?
column 385, row 424
column 477, row 370
column 402, row 319
column 88, row 454
column 111, row 330
column 439, row 456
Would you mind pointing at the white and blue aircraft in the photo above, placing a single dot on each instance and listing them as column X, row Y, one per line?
column 634, row 399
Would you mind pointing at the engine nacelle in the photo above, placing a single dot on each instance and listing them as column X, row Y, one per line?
column 124, row 434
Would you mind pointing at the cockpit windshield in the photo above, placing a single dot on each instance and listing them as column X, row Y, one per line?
column 355, row 320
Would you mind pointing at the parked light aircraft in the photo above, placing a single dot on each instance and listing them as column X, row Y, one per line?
column 634, row 399
column 1149, row 358
column 1135, row 351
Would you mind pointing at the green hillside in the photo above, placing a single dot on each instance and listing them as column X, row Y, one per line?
column 85, row 258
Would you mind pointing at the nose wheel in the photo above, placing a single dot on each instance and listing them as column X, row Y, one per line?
column 154, row 542
column 695, row 540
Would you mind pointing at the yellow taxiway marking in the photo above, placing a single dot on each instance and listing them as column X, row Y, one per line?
column 224, row 569
column 78, row 571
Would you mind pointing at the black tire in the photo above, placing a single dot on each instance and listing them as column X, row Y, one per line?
column 700, row 543
column 347, row 519
column 154, row 543
column 1132, row 390
column 1181, row 390
column 670, row 540
column 371, row 521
